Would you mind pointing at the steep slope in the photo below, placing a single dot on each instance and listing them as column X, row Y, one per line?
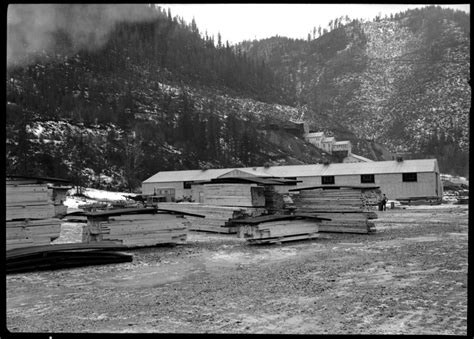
column 132, row 107
column 402, row 82
column 157, row 94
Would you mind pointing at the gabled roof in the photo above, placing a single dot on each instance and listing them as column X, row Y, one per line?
column 346, row 142
column 356, row 168
column 243, row 172
column 188, row 175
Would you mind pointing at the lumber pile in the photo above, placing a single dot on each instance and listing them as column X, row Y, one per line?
column 349, row 208
column 278, row 228
column 343, row 199
column 34, row 200
column 32, row 213
column 28, row 201
column 233, row 194
column 149, row 228
column 348, row 222
column 30, row 232
column 216, row 218
column 274, row 201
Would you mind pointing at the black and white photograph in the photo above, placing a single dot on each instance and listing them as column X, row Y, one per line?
column 237, row 168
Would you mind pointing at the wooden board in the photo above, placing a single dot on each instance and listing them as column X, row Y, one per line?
column 32, row 231
column 284, row 239
column 278, row 228
column 26, row 233
column 26, row 198
column 30, row 212
column 27, row 242
column 138, row 241
column 213, row 229
column 27, row 188
column 228, row 194
column 32, row 222
column 343, row 229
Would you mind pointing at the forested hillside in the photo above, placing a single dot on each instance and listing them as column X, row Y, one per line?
column 402, row 81
column 155, row 93
column 158, row 95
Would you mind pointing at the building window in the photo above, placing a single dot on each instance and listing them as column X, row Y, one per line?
column 187, row 184
column 409, row 177
column 367, row 179
column 327, row 180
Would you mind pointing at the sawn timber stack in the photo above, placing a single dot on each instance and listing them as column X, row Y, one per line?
column 32, row 210
column 230, row 194
column 278, row 228
column 137, row 227
column 217, row 218
column 349, row 207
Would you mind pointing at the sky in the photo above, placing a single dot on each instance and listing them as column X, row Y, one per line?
column 31, row 27
column 238, row 22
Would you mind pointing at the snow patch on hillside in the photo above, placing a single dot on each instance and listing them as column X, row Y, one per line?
column 92, row 195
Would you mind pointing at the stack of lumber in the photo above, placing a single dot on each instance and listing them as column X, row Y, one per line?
column 278, row 228
column 216, row 218
column 349, row 208
column 31, row 211
column 141, row 227
column 231, row 194
column 274, row 201
column 30, row 232
column 344, row 199
column 28, row 201
column 348, row 222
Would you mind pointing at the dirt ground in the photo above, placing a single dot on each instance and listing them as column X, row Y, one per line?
column 410, row 277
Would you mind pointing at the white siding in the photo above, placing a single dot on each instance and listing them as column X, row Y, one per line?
column 390, row 184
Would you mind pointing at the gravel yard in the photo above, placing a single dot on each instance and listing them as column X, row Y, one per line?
column 410, row 277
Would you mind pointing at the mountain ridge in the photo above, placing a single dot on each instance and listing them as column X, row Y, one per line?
column 401, row 81
column 198, row 103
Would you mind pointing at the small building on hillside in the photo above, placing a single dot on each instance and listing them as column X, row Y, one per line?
column 343, row 147
column 397, row 179
column 327, row 144
column 315, row 138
